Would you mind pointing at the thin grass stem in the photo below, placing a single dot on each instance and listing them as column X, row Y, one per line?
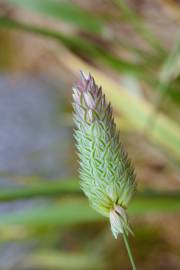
column 129, row 252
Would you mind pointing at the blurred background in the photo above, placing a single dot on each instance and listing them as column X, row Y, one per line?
column 132, row 48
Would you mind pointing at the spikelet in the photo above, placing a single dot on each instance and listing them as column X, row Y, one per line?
column 107, row 176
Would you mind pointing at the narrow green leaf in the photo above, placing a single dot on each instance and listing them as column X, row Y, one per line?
column 67, row 212
column 74, row 211
column 63, row 10
column 139, row 25
column 166, row 132
column 170, row 70
column 171, row 67
column 79, row 45
column 40, row 189
column 49, row 259
column 72, row 42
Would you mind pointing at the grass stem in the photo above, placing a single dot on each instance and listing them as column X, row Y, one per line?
column 129, row 252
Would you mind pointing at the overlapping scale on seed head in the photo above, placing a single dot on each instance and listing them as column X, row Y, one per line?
column 107, row 176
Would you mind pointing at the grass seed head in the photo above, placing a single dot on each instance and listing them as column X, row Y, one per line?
column 106, row 174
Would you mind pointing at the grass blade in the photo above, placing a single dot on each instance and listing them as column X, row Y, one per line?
column 49, row 259
column 77, row 44
column 63, row 10
column 69, row 212
column 40, row 189
column 169, row 71
column 139, row 26
column 165, row 133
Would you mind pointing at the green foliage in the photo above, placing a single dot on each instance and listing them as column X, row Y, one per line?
column 139, row 25
column 77, row 44
column 63, row 10
column 72, row 211
column 165, row 132
column 63, row 260
column 40, row 190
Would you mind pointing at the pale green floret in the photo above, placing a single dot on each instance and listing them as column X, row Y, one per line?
column 119, row 221
column 107, row 177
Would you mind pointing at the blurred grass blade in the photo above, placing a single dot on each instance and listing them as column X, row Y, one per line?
column 63, row 10
column 65, row 213
column 70, row 41
column 82, row 46
column 169, row 71
column 139, row 25
column 40, row 189
column 74, row 211
column 166, row 132
column 49, row 259
column 171, row 68
column 61, row 188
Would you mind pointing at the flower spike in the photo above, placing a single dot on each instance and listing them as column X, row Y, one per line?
column 107, row 176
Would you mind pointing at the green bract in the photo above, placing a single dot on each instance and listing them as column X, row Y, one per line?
column 107, row 176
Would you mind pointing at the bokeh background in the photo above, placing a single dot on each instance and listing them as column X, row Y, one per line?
column 132, row 48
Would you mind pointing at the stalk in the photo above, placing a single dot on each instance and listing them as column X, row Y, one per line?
column 106, row 174
column 129, row 252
